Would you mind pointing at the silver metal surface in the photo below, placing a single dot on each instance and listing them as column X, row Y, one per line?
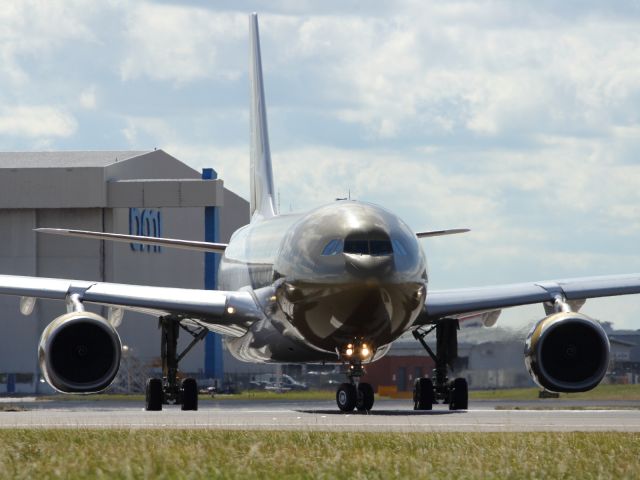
column 586, row 351
column 79, row 352
column 262, row 202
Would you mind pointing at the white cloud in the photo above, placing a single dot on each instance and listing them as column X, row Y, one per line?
column 88, row 98
column 33, row 28
column 443, row 69
column 36, row 121
column 179, row 44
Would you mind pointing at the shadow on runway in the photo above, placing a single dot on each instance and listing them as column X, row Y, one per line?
column 386, row 413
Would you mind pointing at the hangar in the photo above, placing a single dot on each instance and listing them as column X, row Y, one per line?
column 137, row 192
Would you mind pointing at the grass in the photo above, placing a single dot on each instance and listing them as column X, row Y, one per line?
column 162, row 454
column 602, row 392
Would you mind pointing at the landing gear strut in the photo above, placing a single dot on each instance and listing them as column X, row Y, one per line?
column 355, row 394
column 426, row 391
column 166, row 390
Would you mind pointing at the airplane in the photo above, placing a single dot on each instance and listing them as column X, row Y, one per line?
column 337, row 284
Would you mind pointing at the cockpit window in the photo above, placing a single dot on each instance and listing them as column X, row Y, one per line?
column 380, row 247
column 398, row 248
column 360, row 247
column 333, row 247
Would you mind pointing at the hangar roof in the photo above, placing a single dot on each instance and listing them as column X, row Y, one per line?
column 65, row 159
column 106, row 179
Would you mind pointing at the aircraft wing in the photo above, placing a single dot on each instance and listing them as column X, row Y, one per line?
column 118, row 237
column 230, row 313
column 462, row 301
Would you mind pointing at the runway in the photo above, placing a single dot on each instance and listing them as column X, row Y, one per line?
column 388, row 415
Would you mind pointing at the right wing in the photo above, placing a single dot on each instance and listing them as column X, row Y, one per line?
column 468, row 301
column 229, row 313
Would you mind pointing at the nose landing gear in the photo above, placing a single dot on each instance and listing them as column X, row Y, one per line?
column 355, row 394
column 426, row 392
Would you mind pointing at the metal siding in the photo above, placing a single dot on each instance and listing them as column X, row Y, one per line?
column 213, row 362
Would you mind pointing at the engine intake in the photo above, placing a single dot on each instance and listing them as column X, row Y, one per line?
column 567, row 352
column 79, row 352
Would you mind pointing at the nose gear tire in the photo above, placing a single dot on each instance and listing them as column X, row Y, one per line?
column 365, row 397
column 346, row 397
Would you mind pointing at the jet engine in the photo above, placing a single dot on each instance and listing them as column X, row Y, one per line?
column 567, row 352
column 79, row 352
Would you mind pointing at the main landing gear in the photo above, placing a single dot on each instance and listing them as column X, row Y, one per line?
column 166, row 390
column 426, row 391
column 355, row 394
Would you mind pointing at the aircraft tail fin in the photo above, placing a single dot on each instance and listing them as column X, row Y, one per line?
column 262, row 201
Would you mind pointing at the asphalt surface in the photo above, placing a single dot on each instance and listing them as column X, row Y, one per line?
column 387, row 415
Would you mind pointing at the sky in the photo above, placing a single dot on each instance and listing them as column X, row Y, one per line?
column 518, row 120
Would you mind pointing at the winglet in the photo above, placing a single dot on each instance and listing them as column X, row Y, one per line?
column 262, row 202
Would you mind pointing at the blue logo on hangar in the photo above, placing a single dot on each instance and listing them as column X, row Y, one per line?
column 147, row 223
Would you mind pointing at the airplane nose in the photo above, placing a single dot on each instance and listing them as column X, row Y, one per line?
column 368, row 267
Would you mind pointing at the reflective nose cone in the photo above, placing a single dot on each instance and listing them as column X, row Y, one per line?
column 368, row 267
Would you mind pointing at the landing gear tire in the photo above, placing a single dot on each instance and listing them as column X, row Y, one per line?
column 153, row 395
column 459, row 395
column 346, row 397
column 365, row 397
column 189, row 394
column 423, row 394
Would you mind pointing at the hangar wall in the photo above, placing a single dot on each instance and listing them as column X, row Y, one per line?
column 103, row 191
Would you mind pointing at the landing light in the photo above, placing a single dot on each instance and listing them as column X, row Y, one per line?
column 364, row 351
column 231, row 310
column 349, row 352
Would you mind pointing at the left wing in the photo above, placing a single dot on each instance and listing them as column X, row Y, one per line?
column 230, row 313
column 457, row 302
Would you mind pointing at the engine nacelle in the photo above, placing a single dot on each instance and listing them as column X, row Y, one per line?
column 79, row 352
column 567, row 352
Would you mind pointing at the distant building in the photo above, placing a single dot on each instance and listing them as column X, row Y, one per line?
column 624, row 365
column 147, row 193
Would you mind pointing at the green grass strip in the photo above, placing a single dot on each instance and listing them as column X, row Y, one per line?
column 114, row 454
column 601, row 392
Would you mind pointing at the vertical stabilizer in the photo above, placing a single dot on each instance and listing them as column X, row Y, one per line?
column 262, row 191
